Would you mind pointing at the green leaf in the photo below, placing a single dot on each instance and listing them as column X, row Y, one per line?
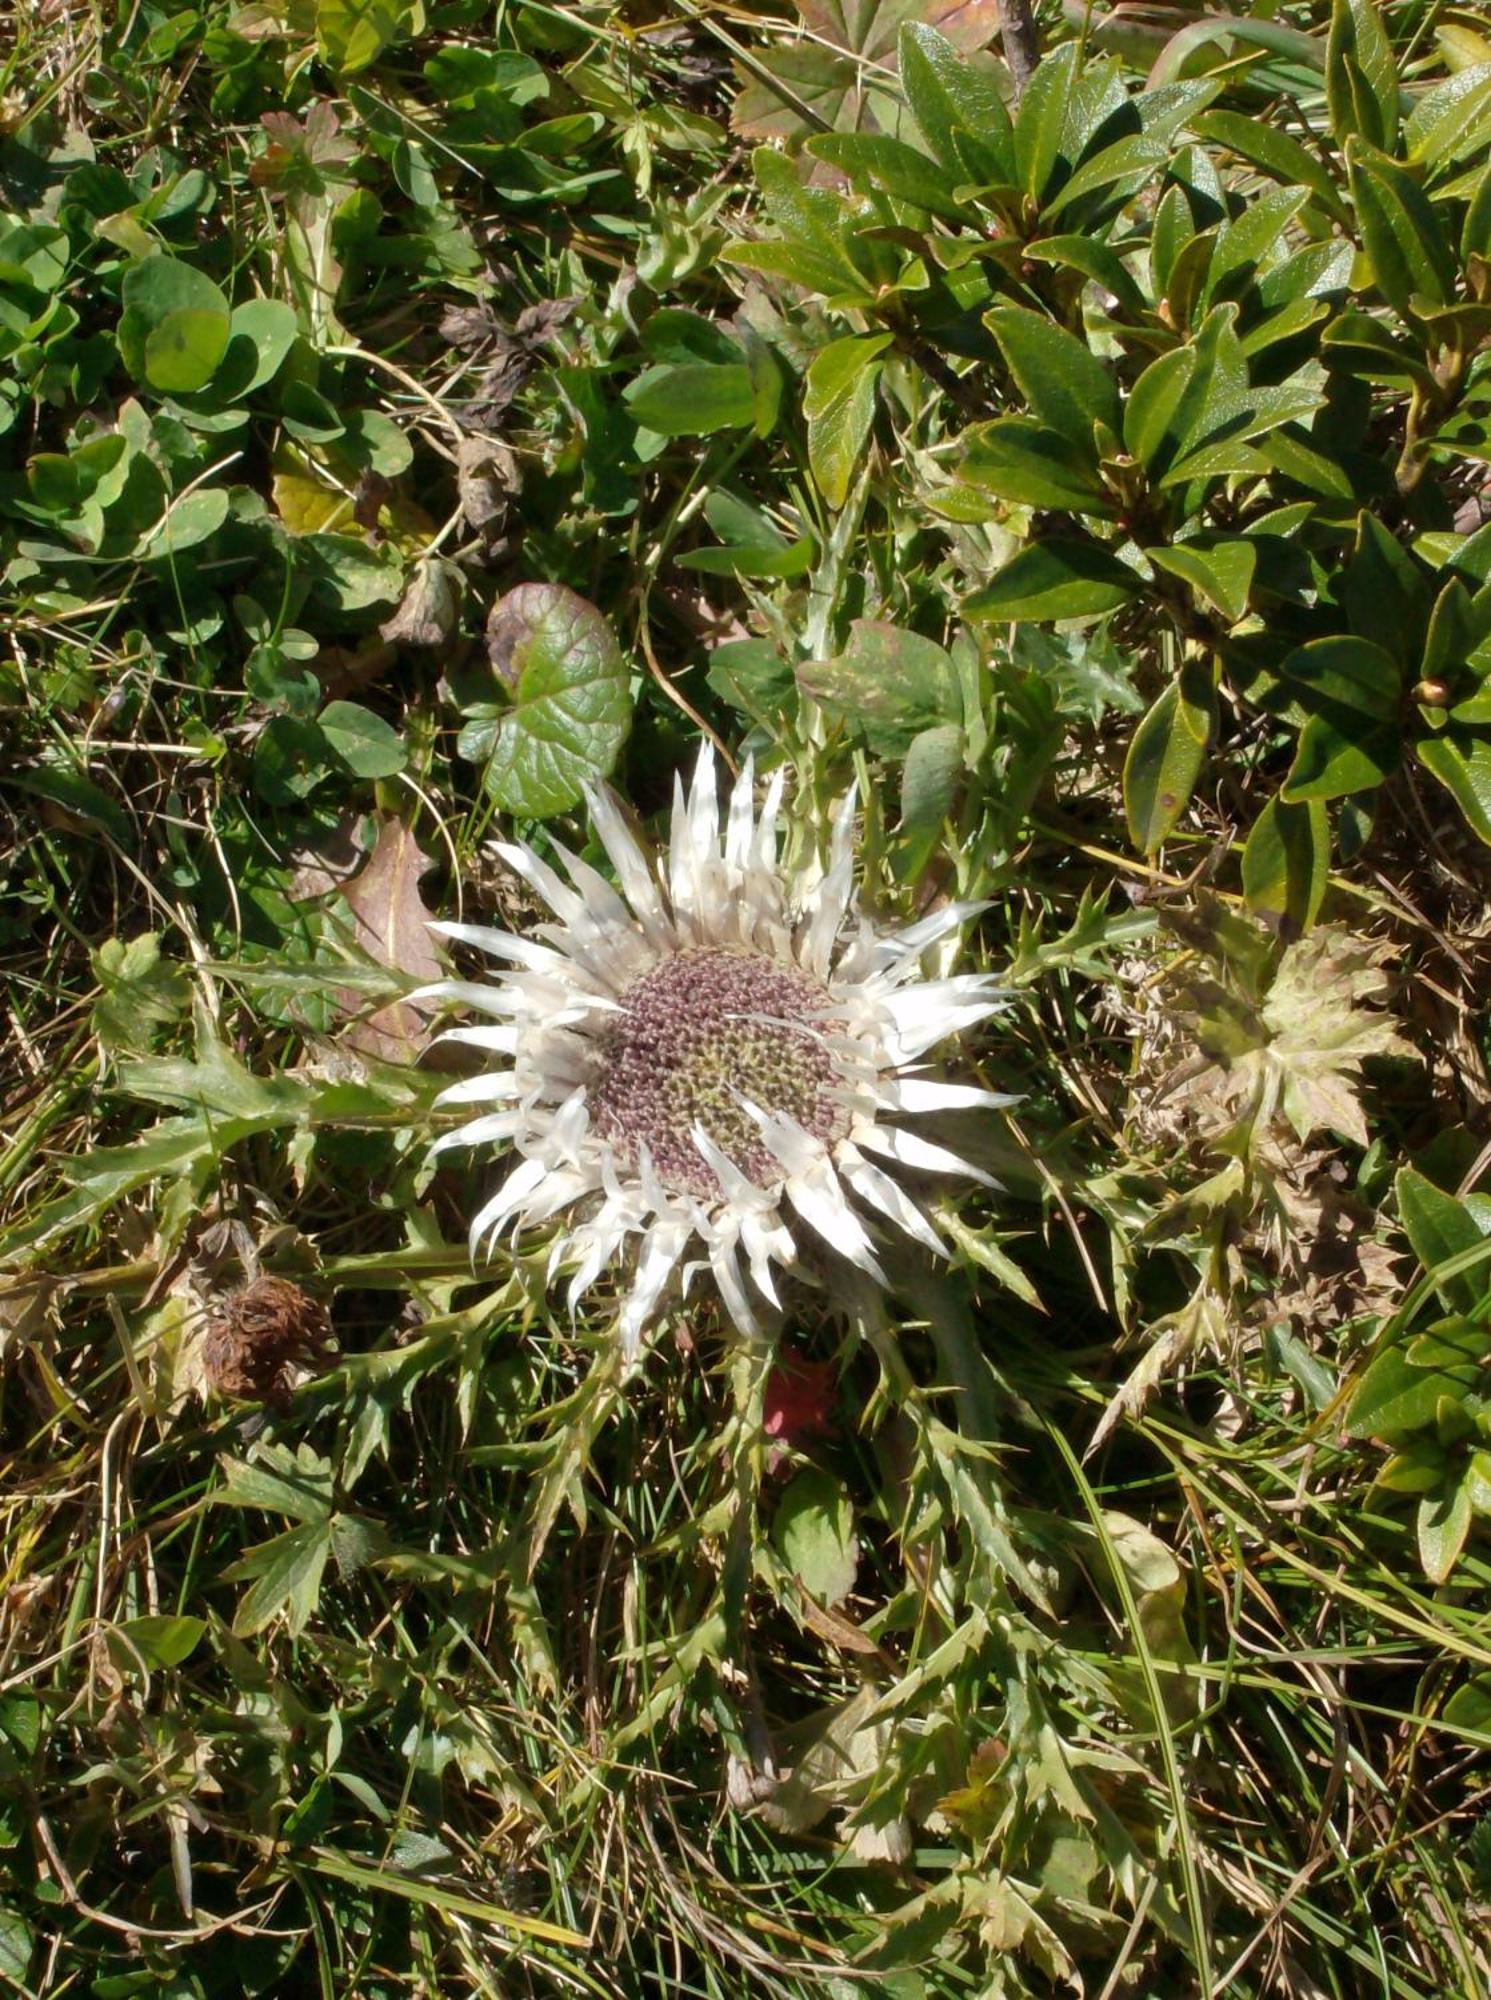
column 1244, row 243
column 1095, row 260
column 839, row 404
column 675, row 335
column 813, row 1528
column 1166, row 756
column 61, row 482
column 175, row 326
column 1384, row 592
column 1462, row 764
column 1469, row 1707
column 190, row 519
column 297, row 1485
column 752, row 546
column 17, row 1948
column 373, row 442
column 1172, row 232
column 1440, row 1226
column 891, row 684
column 874, row 164
column 814, row 227
column 930, row 779
column 1131, row 160
column 1020, row 459
column 362, row 742
column 693, row 399
column 1219, row 569
column 139, row 993
column 1361, row 75
column 66, row 786
column 1351, row 739
column 1475, row 234
column 261, row 334
column 34, row 255
column 1450, row 121
column 1286, row 863
column 1059, row 577
column 1266, row 145
column 158, row 1641
column 1041, row 123
column 1407, row 249
column 1063, row 382
column 1450, row 639
column 1395, row 1398
column 1148, row 431
column 958, row 108
column 291, row 757
column 1443, row 1523
column 1337, row 754
column 287, row 1576
column 1357, row 344
column 752, row 676
column 571, row 704
column 354, row 33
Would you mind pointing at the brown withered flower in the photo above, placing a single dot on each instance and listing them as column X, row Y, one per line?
column 258, row 1334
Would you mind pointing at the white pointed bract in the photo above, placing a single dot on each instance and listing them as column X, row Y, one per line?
column 709, row 1057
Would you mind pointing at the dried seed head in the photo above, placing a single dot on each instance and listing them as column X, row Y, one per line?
column 258, row 1334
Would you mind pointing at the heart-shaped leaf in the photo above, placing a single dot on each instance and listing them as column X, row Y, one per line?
column 570, row 711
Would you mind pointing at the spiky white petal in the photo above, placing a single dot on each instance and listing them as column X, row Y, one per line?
column 708, row 1052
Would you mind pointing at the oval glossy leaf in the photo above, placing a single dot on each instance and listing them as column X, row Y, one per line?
column 875, row 164
column 1394, row 1399
column 363, row 742
column 1443, row 1523
column 1286, row 864
column 958, row 108
column 1041, row 123
column 693, row 399
column 571, row 707
column 1361, row 74
column 1439, row 1226
column 1338, row 754
column 1166, row 756
column 1063, row 382
column 1020, row 459
column 1057, row 578
column 1219, row 570
column 1406, row 247
column 1351, row 739
column 1266, row 146
column 1094, row 260
column 1462, row 764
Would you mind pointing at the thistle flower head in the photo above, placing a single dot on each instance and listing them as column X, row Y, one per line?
column 713, row 1055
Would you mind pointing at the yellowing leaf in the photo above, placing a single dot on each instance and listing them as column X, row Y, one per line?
column 306, row 503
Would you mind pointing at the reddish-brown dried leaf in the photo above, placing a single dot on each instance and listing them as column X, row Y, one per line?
column 392, row 927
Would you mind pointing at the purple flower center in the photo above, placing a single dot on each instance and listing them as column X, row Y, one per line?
column 699, row 1032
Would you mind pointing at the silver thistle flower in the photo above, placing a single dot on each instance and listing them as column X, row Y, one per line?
column 710, row 1055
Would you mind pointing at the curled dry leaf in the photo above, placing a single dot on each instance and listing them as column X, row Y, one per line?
column 487, row 476
column 430, row 609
